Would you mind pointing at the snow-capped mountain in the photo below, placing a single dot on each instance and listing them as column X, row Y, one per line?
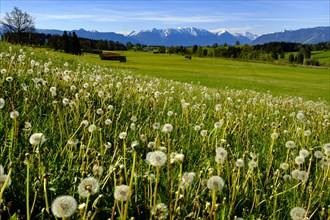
column 190, row 36
column 174, row 36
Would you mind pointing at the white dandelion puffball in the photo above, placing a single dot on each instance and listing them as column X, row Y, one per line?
column 215, row 183
column 167, row 128
column 121, row 192
column 64, row 206
column 2, row 103
column 156, row 158
column 37, row 138
column 14, row 114
column 290, row 144
column 88, row 186
column 297, row 213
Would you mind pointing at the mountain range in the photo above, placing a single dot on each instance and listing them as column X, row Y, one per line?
column 190, row 36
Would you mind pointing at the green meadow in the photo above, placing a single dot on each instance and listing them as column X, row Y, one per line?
column 310, row 83
column 88, row 139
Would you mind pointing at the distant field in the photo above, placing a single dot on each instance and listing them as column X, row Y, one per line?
column 307, row 82
column 322, row 56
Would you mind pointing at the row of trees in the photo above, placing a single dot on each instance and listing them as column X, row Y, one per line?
column 269, row 52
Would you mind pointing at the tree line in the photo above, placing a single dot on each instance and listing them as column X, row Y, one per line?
column 268, row 52
column 68, row 42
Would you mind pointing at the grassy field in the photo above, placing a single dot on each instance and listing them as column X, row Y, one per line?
column 283, row 80
column 322, row 56
column 84, row 141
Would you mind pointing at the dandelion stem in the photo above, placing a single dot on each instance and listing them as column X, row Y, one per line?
column 5, row 184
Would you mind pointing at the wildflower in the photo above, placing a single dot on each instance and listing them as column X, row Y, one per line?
column 64, row 206
column 107, row 122
column 167, row 128
column 318, row 154
column 134, row 119
column 299, row 160
column 326, row 148
column 92, row 128
column 215, row 183
column 156, row 125
column 3, row 71
column 239, row 163
column 218, row 107
column 66, row 101
column 290, row 144
column 218, row 124
column 295, row 174
column 110, row 107
column 156, row 158
column 134, row 144
column 151, row 145
column 203, row 133
column 160, row 211
column 175, row 157
column 307, row 133
column 2, row 103
column 9, row 79
column 14, row 114
column 252, row 164
column 84, row 123
column 88, row 186
column 97, row 170
column 298, row 213
column 187, row 178
column 274, row 135
column 53, row 91
column 121, row 192
column 287, row 178
column 170, row 113
column 37, row 138
column 108, row 145
column 284, row 166
column 3, row 178
column 300, row 116
column 122, row 135
column 132, row 126
column 99, row 111
column 303, row 153
column 303, row 175
column 197, row 128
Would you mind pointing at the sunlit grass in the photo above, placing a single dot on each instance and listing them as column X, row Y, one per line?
column 118, row 145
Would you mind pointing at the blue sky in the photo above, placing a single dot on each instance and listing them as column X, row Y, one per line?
column 125, row 16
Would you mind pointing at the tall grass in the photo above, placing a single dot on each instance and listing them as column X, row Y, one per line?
column 81, row 141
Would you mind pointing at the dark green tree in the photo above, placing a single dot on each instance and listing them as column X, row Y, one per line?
column 291, row 58
column 65, row 42
column 76, row 49
column 300, row 58
column 194, row 49
column 18, row 22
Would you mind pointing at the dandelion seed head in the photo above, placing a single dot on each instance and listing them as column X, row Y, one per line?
column 37, row 138
column 197, row 128
column 84, row 123
column 290, row 144
column 2, row 103
column 303, row 153
column 300, row 116
column 64, row 206
column 121, row 192
column 3, row 178
column 9, row 79
column 107, row 122
column 14, row 114
column 88, row 186
column 97, row 170
column 122, row 135
column 284, row 166
column 239, row 163
column 99, row 111
column 299, row 160
column 167, row 128
column 287, row 178
column 156, row 125
column 156, row 158
column 295, row 174
column 203, row 133
column 318, row 154
column 160, row 211
column 274, row 135
column 92, row 128
column 297, row 213
column 252, row 164
column 215, row 183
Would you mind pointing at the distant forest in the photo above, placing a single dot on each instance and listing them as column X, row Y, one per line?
column 268, row 52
